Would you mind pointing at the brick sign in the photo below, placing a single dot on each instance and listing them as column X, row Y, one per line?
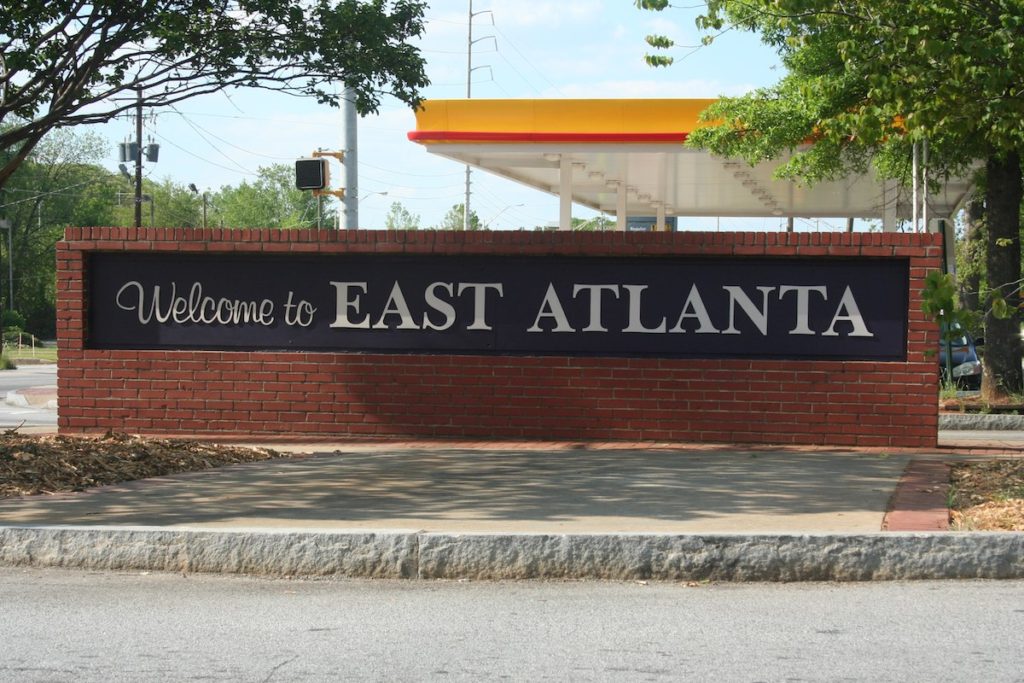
column 662, row 307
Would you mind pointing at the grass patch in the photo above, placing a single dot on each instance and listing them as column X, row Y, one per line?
column 44, row 354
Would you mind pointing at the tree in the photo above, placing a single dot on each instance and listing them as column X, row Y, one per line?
column 271, row 201
column 58, row 185
column 399, row 218
column 970, row 256
column 867, row 79
column 453, row 220
column 164, row 204
column 73, row 62
column 597, row 223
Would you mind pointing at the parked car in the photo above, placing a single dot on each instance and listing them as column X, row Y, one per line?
column 965, row 361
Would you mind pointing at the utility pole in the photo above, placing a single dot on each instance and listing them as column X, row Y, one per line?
column 133, row 152
column 350, row 200
column 138, row 157
column 469, row 95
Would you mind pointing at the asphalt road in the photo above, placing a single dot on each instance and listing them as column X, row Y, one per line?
column 21, row 378
column 64, row 626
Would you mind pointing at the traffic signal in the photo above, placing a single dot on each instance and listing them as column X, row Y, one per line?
column 312, row 174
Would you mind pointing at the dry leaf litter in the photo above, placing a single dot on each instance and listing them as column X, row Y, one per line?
column 31, row 465
column 988, row 496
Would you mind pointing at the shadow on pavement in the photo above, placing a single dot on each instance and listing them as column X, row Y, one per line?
column 513, row 491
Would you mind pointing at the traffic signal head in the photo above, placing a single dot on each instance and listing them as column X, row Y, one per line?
column 311, row 174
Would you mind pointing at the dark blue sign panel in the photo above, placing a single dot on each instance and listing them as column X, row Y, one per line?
column 666, row 307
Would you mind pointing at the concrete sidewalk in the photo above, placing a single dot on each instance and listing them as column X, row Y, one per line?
column 506, row 491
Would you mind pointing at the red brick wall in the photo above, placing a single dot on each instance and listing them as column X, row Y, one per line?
column 264, row 393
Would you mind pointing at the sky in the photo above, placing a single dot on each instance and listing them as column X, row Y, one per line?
column 539, row 49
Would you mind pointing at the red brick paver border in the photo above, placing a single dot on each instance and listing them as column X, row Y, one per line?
column 920, row 502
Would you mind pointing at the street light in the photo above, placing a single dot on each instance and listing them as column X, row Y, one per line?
column 337, row 218
column 195, row 190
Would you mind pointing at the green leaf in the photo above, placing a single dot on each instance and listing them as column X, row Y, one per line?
column 658, row 60
column 999, row 307
column 660, row 42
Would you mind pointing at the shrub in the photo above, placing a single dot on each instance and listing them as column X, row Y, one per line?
column 9, row 319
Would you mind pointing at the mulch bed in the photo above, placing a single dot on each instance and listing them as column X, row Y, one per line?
column 31, row 465
column 987, row 496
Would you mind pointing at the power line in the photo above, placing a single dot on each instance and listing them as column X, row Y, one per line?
column 203, row 159
column 388, row 184
column 215, row 148
column 528, row 62
column 227, row 142
column 518, row 73
column 414, row 175
column 47, row 194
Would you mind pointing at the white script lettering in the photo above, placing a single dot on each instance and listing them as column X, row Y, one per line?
column 196, row 308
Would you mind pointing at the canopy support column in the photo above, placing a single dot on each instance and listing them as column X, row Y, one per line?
column 620, row 206
column 564, row 193
column 660, row 223
column 890, row 194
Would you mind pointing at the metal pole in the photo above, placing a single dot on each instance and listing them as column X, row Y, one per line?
column 10, row 267
column 913, row 185
column 924, row 185
column 138, row 157
column 351, row 162
column 204, row 210
column 4, row 225
column 469, row 95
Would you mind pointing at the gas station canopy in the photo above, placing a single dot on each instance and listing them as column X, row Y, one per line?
column 627, row 158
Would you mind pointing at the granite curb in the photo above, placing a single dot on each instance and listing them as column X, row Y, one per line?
column 417, row 555
column 980, row 422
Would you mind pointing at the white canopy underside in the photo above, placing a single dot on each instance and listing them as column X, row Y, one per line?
column 691, row 182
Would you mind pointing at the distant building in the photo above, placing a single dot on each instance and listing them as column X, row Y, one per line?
column 647, row 223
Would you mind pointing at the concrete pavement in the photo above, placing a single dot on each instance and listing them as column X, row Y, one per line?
column 506, row 491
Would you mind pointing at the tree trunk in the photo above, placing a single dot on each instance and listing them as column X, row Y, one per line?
column 1002, row 367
